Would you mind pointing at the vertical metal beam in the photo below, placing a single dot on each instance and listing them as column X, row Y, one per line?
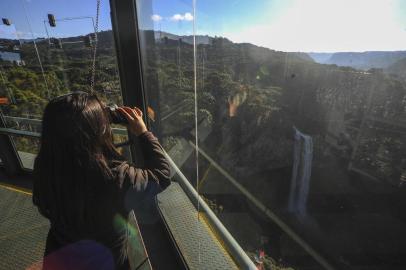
column 126, row 36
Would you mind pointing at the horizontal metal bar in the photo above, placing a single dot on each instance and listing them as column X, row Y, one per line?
column 73, row 18
column 37, row 135
column 16, row 132
column 174, row 112
column 118, row 131
column 72, row 42
column 23, row 120
column 121, row 131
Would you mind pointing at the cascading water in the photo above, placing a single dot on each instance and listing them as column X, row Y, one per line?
column 301, row 173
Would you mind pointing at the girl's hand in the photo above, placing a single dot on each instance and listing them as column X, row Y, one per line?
column 136, row 124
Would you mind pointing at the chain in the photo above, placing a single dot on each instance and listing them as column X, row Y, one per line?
column 96, row 29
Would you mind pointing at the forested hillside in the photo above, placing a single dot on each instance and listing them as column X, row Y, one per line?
column 65, row 69
column 252, row 101
column 280, row 90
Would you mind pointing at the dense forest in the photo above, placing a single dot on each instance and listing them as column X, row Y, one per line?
column 252, row 99
column 355, row 118
column 64, row 67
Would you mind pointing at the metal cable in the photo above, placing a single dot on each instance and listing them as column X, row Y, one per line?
column 36, row 50
column 196, row 120
column 96, row 29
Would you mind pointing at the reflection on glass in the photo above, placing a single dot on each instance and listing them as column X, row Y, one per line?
column 27, row 149
column 301, row 123
column 43, row 56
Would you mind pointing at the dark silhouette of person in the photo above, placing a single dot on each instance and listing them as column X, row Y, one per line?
column 86, row 188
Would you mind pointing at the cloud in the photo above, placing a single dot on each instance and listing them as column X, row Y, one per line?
column 182, row 17
column 156, row 18
column 188, row 16
column 177, row 17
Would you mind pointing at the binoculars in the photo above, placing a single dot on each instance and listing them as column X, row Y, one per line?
column 115, row 116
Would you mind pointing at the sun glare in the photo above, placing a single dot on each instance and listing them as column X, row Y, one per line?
column 329, row 26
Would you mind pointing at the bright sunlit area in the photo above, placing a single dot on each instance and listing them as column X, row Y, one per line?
column 292, row 25
column 330, row 26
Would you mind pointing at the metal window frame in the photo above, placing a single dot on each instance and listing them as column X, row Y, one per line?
column 124, row 22
column 127, row 39
column 125, row 30
column 126, row 35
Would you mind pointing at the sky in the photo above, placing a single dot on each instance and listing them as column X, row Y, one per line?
column 285, row 25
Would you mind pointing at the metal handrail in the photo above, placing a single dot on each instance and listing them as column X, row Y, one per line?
column 31, row 134
column 16, row 132
column 37, row 135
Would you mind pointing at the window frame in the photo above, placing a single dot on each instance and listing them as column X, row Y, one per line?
column 124, row 23
column 128, row 43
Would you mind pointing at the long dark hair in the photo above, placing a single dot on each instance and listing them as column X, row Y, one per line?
column 74, row 156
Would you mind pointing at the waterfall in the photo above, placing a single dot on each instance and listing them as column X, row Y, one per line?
column 301, row 172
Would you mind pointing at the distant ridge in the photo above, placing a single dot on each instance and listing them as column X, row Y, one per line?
column 200, row 39
column 360, row 60
column 320, row 57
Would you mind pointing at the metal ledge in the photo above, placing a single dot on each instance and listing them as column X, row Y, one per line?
column 198, row 246
column 233, row 248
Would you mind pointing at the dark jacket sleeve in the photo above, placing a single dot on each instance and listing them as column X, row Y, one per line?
column 153, row 177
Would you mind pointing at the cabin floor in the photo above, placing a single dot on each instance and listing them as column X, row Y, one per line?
column 23, row 230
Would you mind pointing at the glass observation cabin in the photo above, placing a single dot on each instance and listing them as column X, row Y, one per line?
column 283, row 155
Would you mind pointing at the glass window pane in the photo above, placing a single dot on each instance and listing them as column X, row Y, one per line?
column 41, row 59
column 301, row 122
